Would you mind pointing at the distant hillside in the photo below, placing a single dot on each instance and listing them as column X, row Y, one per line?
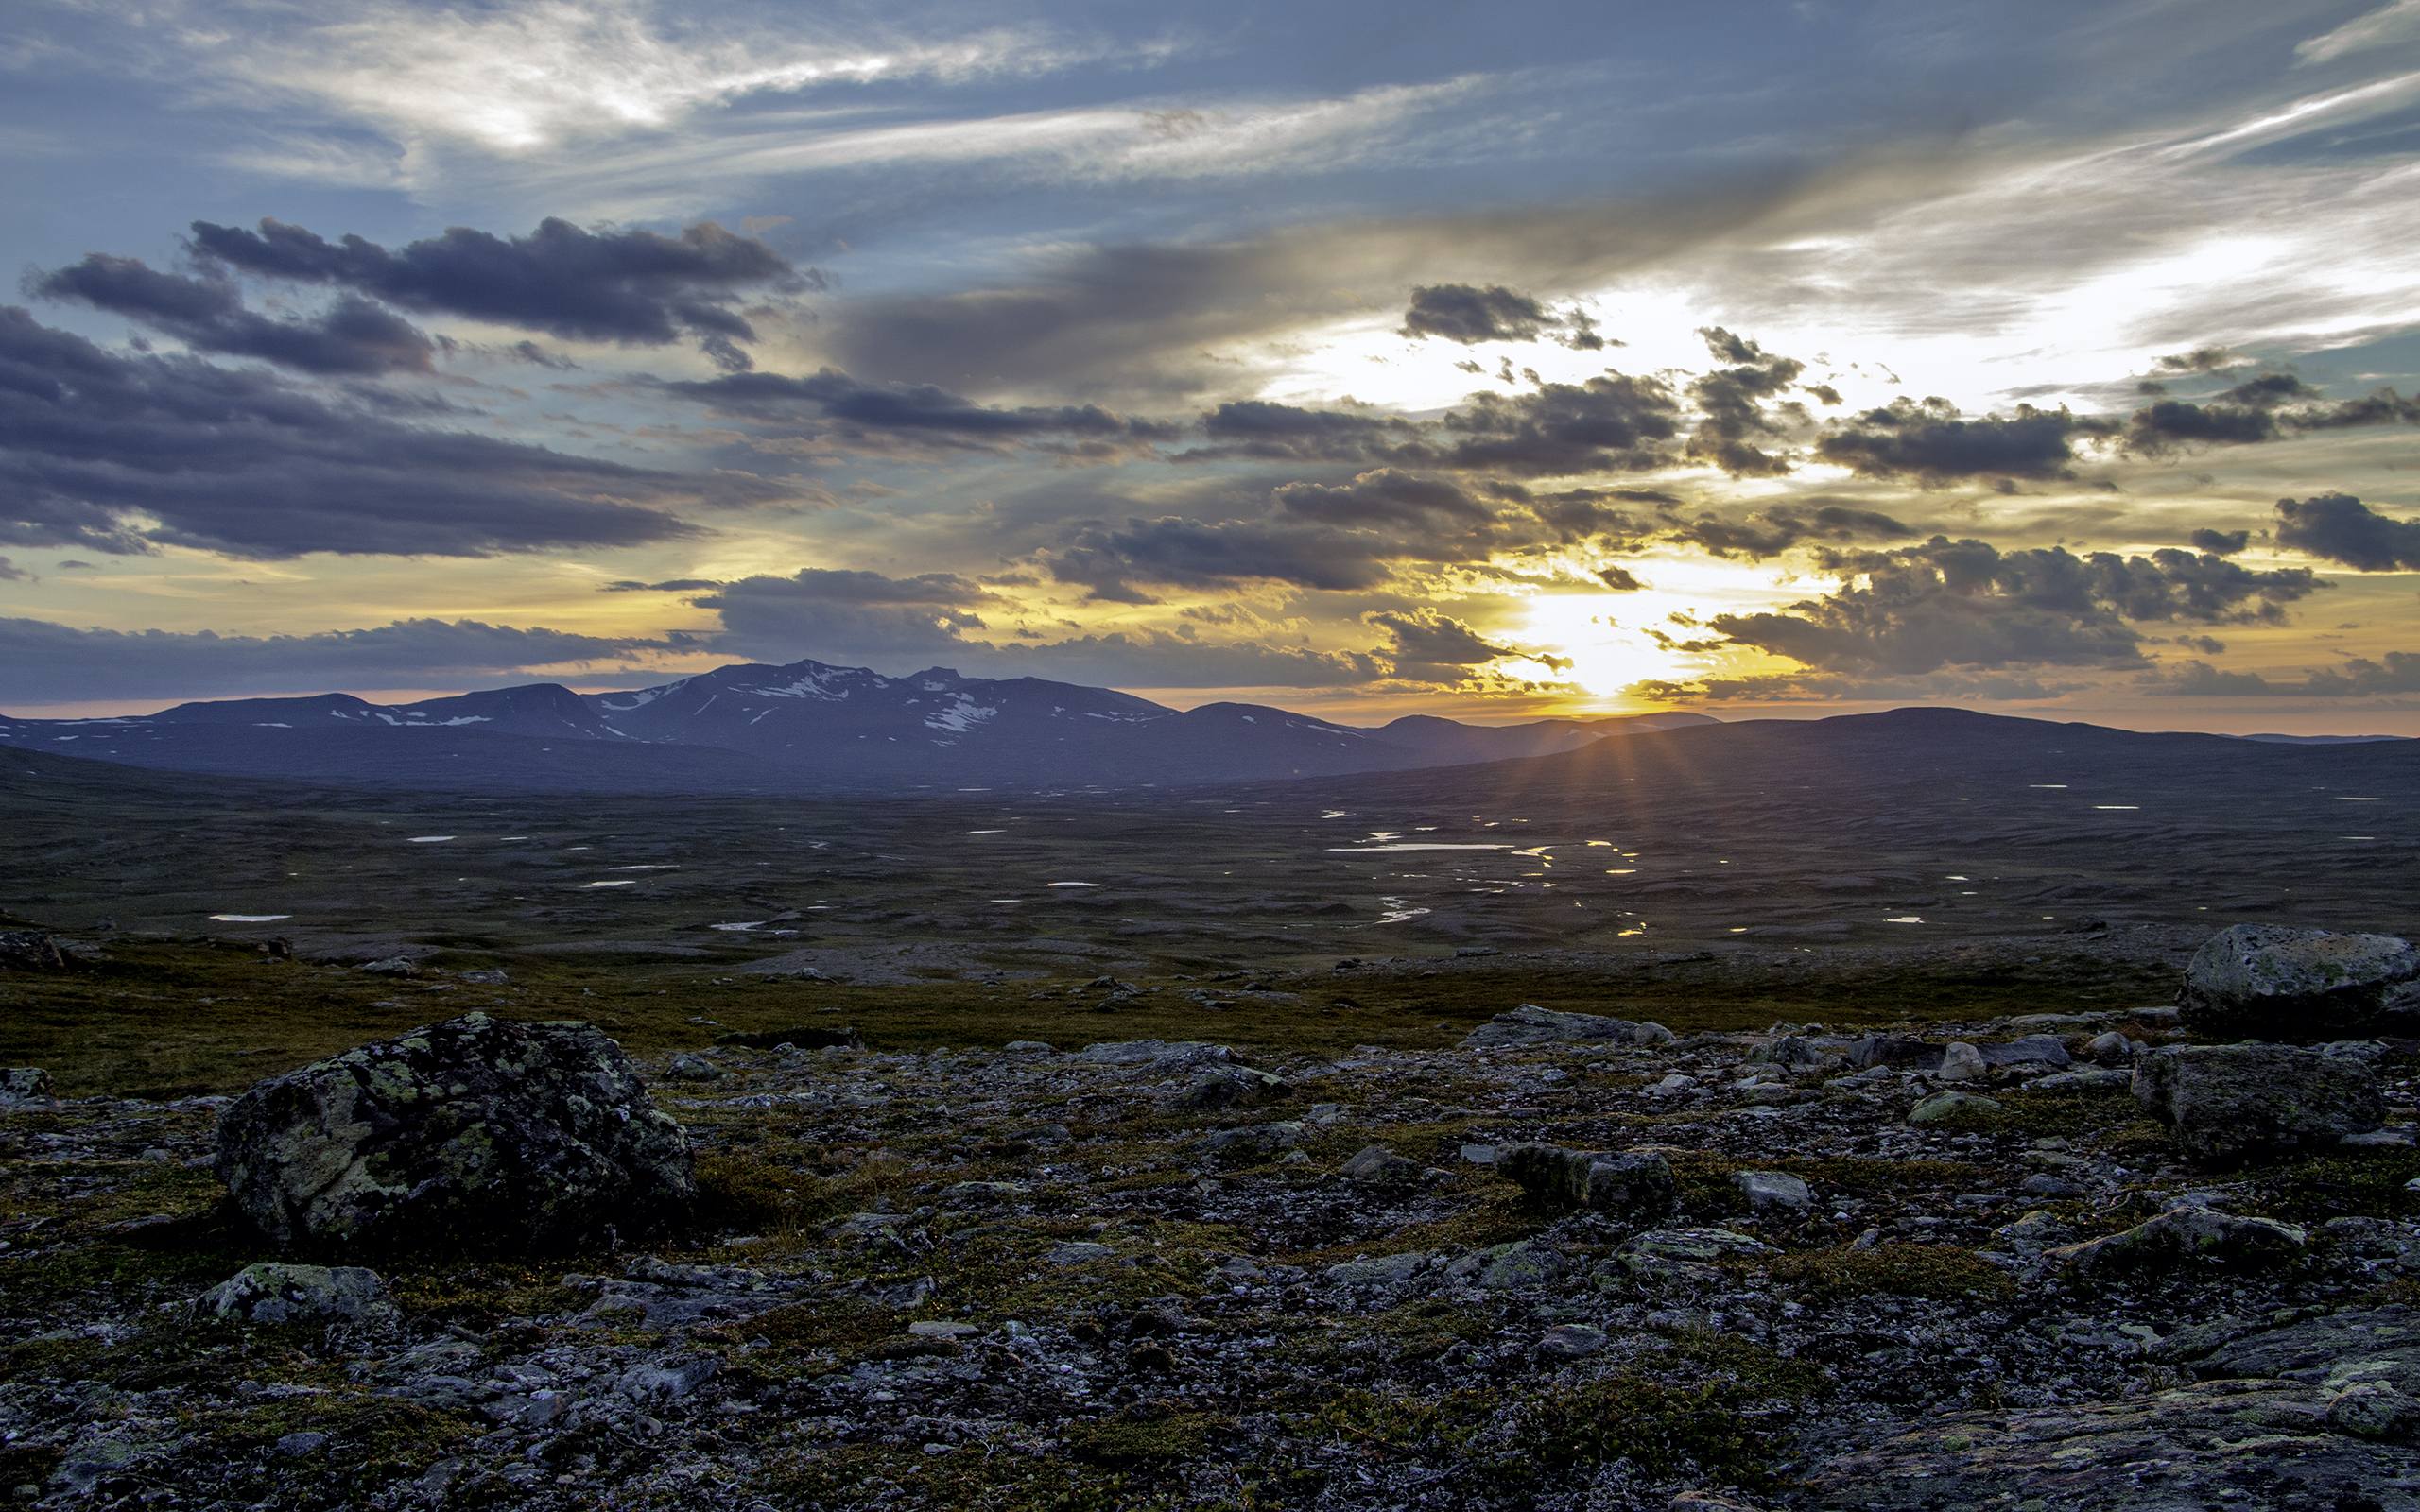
column 805, row 727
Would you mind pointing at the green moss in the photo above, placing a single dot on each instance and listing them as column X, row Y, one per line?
column 1662, row 1430
column 2350, row 1183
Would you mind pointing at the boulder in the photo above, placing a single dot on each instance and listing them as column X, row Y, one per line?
column 475, row 1133
column 278, row 1292
column 1898, row 1051
column 2283, row 983
column 1228, row 1086
column 2225, row 1101
column 1529, row 1025
column 1952, row 1106
column 2187, row 1235
column 1773, row 1192
column 30, row 950
column 2215, row 1443
column 2034, row 1052
column 1380, row 1166
column 23, row 1085
column 1561, row 1180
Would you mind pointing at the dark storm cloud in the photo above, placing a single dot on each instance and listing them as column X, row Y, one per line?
column 670, row 585
column 1423, row 635
column 1732, row 404
column 2201, row 360
column 2340, row 528
column 2396, row 672
column 633, row 287
column 1770, row 532
column 830, row 403
column 42, row 662
column 353, row 336
column 1610, row 422
column 1620, row 579
column 124, row 453
column 1264, row 429
column 1966, row 604
column 2261, row 410
column 1382, row 497
column 1933, row 443
column 2220, row 543
column 1180, row 552
column 830, row 612
column 1469, row 314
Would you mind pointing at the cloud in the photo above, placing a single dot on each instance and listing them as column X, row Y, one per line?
column 2340, row 528
column 2220, row 543
column 2397, row 21
column 1112, row 562
column 1967, row 605
column 46, row 662
column 2396, row 672
column 125, row 453
column 1469, row 314
column 1423, row 635
column 633, row 288
column 1382, row 498
column 1610, row 422
column 830, row 404
column 1264, row 429
column 670, row 585
column 1933, row 443
column 1770, row 532
column 1731, row 402
column 2261, row 410
column 352, row 337
column 1620, row 579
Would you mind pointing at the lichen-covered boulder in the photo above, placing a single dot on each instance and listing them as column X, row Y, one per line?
column 275, row 1292
column 2281, row 983
column 477, row 1133
column 1563, row 1181
column 23, row 1085
column 1529, row 1025
column 2222, row 1103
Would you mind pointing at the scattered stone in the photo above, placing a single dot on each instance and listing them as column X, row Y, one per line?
column 1773, row 1192
column 486, row 976
column 1897, row 1052
column 2224, row 1102
column 475, row 1132
column 1079, row 1252
column 2284, row 983
column 1027, row 1047
column 1229, row 1085
column 30, row 950
column 1960, row 1061
column 391, row 965
column 1560, row 1180
column 1160, row 1055
column 1385, row 1270
column 1946, row 1107
column 805, row 1037
column 2187, row 1235
column 278, row 1292
column 1792, row 1052
column 2091, row 1080
column 21, row 1084
column 1380, row 1166
column 689, row 1066
column 1570, row 1341
column 1529, row 1025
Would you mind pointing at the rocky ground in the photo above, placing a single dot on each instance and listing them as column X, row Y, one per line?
column 1954, row 1265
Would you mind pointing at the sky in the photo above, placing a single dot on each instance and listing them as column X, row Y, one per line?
column 1494, row 360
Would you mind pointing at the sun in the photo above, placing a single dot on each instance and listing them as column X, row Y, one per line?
column 1612, row 640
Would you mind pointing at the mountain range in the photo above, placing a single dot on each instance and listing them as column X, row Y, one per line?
column 802, row 727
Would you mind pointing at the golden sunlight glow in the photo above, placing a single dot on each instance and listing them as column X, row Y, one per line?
column 1606, row 636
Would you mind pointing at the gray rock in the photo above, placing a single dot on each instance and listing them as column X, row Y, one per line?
column 278, row 1292
column 1079, row 1252
column 1252, row 1142
column 486, row 976
column 30, row 950
column 2283, row 983
column 1570, row 1341
column 1228, row 1086
column 2111, row 1047
column 1380, row 1166
column 1561, row 1180
column 1897, row 1052
column 1027, row 1047
column 1517, row 1266
column 477, row 1132
column 666, row 1379
column 1944, row 1106
column 1773, row 1192
column 2090, row 1079
column 802, row 1037
column 23, row 1085
column 2183, row 1450
column 688, row 1066
column 2181, row 1236
column 1960, row 1061
column 2373, row 1409
column 1381, row 1271
column 2224, row 1102
column 1529, row 1025
column 1162, row 1054
column 2032, row 1052
column 1792, row 1052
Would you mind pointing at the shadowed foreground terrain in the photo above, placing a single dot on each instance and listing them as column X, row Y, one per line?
column 1261, row 1245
